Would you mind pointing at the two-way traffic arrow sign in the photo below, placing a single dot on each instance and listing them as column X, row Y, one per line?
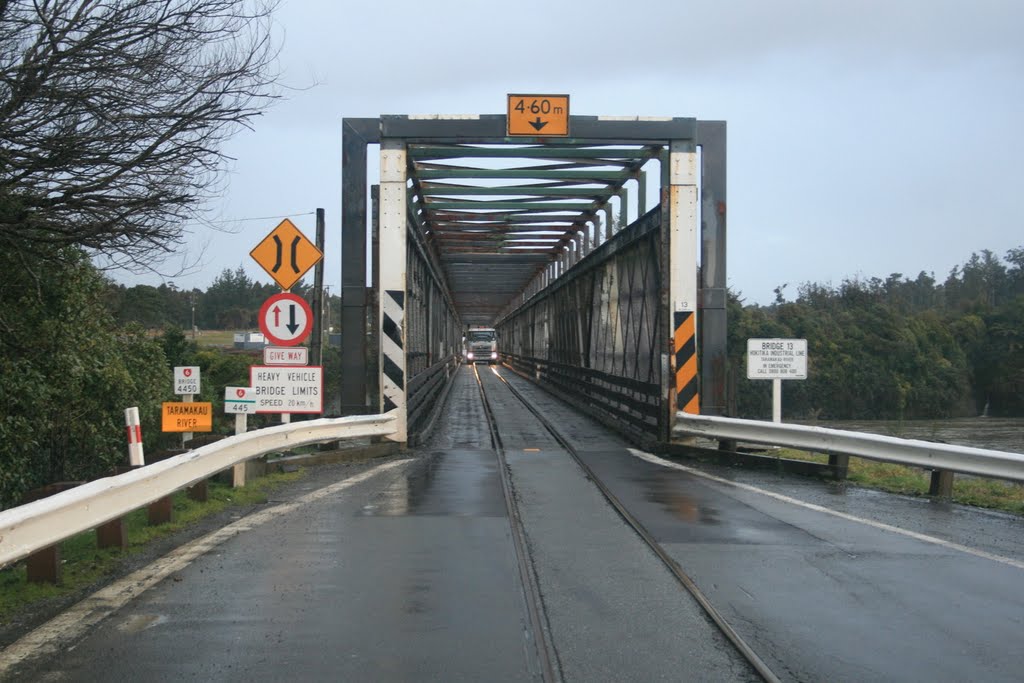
column 286, row 319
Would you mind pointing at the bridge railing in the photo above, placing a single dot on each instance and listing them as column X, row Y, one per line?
column 31, row 527
column 939, row 457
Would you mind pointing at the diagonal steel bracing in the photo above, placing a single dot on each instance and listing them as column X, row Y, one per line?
column 528, row 233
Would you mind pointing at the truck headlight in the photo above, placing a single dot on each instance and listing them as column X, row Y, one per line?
column 494, row 355
column 469, row 355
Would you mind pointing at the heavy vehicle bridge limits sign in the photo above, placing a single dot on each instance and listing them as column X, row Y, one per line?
column 287, row 389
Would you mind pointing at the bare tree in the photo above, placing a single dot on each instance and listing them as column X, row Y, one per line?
column 113, row 115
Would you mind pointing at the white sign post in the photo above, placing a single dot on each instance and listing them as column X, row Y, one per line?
column 241, row 401
column 186, row 383
column 776, row 359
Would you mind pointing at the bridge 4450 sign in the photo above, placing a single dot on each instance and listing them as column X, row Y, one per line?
column 286, row 319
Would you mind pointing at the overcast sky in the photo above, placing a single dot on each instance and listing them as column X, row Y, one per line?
column 865, row 138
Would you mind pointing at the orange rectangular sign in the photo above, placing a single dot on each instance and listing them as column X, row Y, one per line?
column 538, row 115
column 187, row 417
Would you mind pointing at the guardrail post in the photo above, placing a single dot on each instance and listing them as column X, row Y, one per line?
column 840, row 465
column 44, row 566
column 113, row 534
column 941, row 484
column 162, row 511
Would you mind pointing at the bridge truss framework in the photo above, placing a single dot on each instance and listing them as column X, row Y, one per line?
column 531, row 234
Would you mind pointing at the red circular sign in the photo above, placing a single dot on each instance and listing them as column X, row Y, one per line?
column 286, row 319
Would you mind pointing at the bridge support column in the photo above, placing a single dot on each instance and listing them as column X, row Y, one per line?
column 393, row 227
column 681, row 272
column 711, row 137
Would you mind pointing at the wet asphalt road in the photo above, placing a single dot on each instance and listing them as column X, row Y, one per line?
column 825, row 598
column 412, row 575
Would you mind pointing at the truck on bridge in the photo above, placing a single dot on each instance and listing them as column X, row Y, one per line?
column 481, row 345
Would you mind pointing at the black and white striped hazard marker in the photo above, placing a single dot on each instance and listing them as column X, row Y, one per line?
column 392, row 351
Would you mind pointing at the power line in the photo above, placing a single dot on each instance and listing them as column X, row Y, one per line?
column 256, row 218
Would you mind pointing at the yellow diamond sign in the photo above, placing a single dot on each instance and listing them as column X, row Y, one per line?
column 286, row 254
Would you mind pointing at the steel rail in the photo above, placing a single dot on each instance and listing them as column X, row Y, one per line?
column 31, row 527
column 550, row 668
column 677, row 571
column 926, row 454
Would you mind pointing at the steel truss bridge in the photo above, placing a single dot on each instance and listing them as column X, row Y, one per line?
column 582, row 251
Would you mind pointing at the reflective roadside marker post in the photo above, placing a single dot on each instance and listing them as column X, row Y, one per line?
column 133, row 426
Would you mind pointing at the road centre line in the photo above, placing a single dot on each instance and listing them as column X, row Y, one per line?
column 835, row 513
column 72, row 624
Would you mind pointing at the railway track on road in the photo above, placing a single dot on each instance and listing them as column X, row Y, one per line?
column 546, row 650
column 546, row 654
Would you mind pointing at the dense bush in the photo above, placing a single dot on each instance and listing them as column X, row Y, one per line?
column 67, row 373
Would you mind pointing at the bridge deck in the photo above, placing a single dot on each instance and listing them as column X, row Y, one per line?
column 411, row 574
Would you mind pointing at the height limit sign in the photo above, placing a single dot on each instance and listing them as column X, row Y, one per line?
column 538, row 115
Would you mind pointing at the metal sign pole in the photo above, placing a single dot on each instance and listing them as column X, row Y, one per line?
column 776, row 400
column 186, row 436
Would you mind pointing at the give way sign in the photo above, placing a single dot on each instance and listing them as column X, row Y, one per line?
column 286, row 319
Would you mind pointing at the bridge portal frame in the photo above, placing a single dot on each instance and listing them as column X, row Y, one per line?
column 692, row 185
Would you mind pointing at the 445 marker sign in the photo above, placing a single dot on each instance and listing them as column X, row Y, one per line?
column 286, row 319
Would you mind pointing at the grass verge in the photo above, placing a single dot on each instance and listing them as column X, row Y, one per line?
column 987, row 493
column 83, row 564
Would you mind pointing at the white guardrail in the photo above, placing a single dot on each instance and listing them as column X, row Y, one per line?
column 926, row 454
column 42, row 523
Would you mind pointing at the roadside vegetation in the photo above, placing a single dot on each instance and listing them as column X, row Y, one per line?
column 913, row 481
column 894, row 349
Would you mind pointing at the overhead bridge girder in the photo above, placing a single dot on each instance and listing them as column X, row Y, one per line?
column 530, row 235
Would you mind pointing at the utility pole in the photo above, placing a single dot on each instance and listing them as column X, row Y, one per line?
column 316, row 344
column 327, row 312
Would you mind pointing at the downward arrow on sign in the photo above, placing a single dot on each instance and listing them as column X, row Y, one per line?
column 292, row 325
column 538, row 124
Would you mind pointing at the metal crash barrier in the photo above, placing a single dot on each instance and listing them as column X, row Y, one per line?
column 43, row 523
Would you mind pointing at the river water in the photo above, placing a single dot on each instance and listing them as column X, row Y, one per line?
column 996, row 433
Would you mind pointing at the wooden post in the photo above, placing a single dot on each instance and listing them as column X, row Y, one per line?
column 44, row 566
column 941, row 484
column 113, row 534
